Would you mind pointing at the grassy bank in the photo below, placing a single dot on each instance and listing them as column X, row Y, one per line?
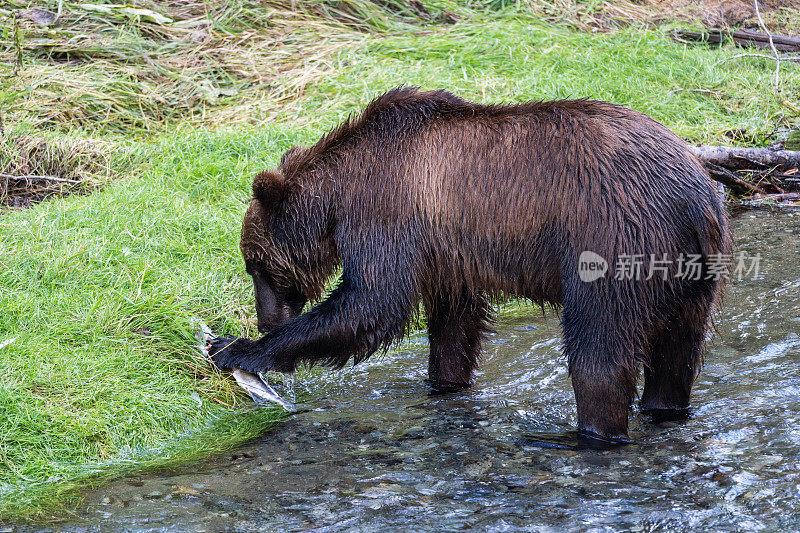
column 99, row 290
column 105, row 68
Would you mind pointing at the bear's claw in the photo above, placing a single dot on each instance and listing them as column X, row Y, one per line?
column 593, row 439
column 222, row 354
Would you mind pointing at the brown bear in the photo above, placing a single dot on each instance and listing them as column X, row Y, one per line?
column 428, row 197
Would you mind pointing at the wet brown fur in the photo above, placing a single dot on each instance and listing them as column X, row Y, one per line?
column 428, row 196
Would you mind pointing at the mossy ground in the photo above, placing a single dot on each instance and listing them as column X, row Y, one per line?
column 99, row 290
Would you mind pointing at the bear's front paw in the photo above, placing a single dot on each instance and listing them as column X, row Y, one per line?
column 225, row 352
column 248, row 355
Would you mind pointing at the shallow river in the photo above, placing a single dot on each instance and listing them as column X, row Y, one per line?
column 377, row 452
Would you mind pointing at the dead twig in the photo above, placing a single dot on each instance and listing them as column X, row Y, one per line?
column 732, row 181
column 763, row 56
column 33, row 177
column 703, row 91
column 772, row 46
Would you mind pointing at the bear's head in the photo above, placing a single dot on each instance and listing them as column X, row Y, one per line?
column 286, row 245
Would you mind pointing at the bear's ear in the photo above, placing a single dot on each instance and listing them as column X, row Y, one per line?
column 270, row 187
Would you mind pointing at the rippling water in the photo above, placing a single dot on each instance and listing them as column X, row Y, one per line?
column 378, row 452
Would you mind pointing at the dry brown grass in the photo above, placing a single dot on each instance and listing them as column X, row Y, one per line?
column 781, row 16
column 600, row 16
column 104, row 67
column 35, row 166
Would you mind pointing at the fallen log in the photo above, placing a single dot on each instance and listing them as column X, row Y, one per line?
column 758, row 200
column 781, row 196
column 783, row 43
column 734, row 158
column 751, row 171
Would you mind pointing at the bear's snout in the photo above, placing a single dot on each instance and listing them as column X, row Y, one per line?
column 273, row 320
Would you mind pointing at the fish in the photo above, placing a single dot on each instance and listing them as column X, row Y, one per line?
column 256, row 384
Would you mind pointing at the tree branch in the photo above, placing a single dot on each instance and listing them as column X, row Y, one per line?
column 33, row 177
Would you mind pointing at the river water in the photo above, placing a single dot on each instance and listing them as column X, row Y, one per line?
column 378, row 452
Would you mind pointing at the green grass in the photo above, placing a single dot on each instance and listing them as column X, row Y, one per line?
column 81, row 280
column 512, row 59
column 100, row 290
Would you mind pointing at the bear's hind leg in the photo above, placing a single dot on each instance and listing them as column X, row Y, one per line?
column 456, row 327
column 676, row 351
column 600, row 345
column 603, row 395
